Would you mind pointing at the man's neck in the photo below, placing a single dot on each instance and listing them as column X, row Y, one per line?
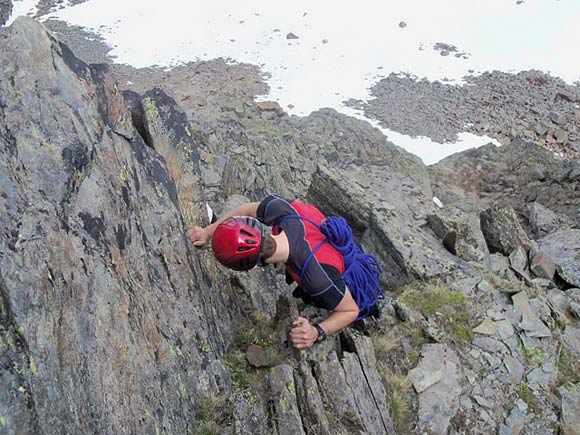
column 282, row 249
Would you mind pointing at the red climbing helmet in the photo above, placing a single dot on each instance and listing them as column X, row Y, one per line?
column 237, row 242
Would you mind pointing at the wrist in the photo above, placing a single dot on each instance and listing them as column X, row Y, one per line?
column 320, row 331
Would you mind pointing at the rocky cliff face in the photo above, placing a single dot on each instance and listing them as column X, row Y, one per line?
column 111, row 323
column 106, row 315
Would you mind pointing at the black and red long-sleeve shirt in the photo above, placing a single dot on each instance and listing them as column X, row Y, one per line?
column 322, row 285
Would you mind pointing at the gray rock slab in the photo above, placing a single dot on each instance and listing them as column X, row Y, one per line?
column 545, row 221
column 362, row 394
column 573, row 296
column 538, row 378
column 570, row 409
column 337, row 394
column 364, row 350
column 439, row 402
column 519, row 261
column 559, row 305
column 310, row 401
column 515, row 369
column 285, row 405
column 514, row 423
column 250, row 413
column 489, row 344
column 487, row 327
column 530, row 322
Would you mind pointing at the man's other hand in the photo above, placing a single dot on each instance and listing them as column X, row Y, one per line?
column 198, row 236
column 303, row 334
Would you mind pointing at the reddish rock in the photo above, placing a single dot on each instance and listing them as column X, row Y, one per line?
column 256, row 356
column 269, row 106
column 543, row 266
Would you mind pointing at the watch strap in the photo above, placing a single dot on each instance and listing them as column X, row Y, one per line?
column 321, row 332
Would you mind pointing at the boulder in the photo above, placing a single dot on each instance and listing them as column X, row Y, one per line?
column 461, row 234
column 256, row 356
column 543, row 266
column 502, row 230
column 544, row 221
column 564, row 248
column 391, row 227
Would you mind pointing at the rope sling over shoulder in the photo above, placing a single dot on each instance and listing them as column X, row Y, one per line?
column 362, row 270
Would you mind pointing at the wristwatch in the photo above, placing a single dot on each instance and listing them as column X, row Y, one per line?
column 321, row 333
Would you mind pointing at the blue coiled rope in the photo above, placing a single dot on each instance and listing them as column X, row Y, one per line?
column 362, row 270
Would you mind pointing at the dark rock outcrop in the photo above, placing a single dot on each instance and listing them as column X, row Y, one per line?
column 5, row 11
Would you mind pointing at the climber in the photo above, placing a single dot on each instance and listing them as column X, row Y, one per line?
column 240, row 242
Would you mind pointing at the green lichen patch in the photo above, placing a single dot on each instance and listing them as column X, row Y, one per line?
column 568, row 368
column 527, row 395
column 239, row 368
column 504, row 284
column 258, row 329
column 535, row 356
column 449, row 309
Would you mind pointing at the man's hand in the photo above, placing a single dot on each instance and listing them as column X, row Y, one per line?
column 198, row 236
column 303, row 334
